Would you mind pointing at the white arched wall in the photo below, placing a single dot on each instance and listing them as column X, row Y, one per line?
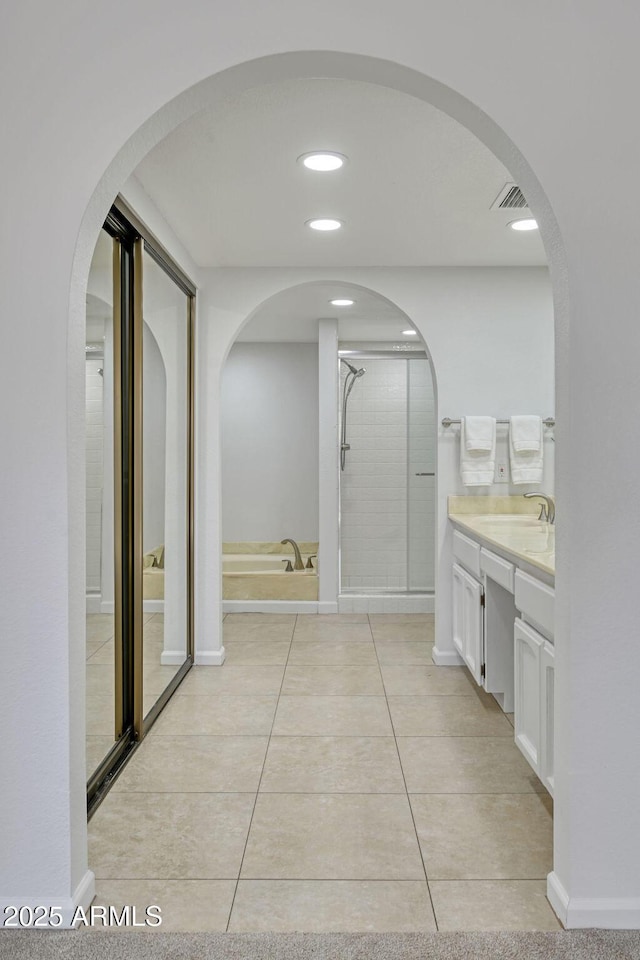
column 59, row 146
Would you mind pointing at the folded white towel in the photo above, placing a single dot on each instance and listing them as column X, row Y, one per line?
column 526, row 433
column 477, row 467
column 479, row 433
column 527, row 462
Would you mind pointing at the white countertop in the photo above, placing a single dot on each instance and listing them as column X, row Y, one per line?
column 520, row 535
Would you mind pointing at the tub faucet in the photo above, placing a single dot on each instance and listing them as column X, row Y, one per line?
column 298, row 565
column 547, row 509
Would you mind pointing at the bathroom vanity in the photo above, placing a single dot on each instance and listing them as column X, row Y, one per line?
column 503, row 608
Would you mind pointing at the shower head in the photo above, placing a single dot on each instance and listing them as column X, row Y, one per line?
column 356, row 373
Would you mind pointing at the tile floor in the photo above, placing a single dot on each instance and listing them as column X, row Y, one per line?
column 328, row 778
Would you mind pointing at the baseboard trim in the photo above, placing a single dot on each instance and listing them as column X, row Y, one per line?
column 93, row 603
column 386, row 603
column 172, row 658
column 82, row 897
column 446, row 658
column 327, row 606
column 270, row 606
column 153, row 606
column 603, row 913
column 210, row 658
column 107, row 606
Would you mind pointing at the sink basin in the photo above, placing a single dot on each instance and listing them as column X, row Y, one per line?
column 515, row 520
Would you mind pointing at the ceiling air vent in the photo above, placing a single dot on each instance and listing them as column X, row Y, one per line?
column 510, row 197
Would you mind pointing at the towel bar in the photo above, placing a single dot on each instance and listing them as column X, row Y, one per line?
column 448, row 422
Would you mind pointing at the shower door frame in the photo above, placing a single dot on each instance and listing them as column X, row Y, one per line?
column 371, row 354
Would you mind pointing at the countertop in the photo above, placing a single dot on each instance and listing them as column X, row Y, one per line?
column 507, row 524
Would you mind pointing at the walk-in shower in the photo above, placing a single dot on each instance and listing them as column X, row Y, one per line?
column 352, row 375
column 387, row 491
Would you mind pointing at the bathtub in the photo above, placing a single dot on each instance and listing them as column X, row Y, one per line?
column 257, row 574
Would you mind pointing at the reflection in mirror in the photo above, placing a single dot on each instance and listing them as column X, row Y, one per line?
column 165, row 446
column 100, row 703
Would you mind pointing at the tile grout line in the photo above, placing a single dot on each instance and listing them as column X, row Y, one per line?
column 415, row 829
column 264, row 762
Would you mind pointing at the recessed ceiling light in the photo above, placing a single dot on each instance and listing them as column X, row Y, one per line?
column 526, row 224
column 322, row 161
column 342, row 303
column 324, row 224
column 409, row 333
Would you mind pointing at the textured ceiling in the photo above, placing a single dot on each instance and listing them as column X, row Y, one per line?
column 417, row 189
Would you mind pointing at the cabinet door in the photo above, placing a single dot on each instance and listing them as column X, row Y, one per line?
column 547, row 676
column 527, row 652
column 458, row 608
column 473, row 633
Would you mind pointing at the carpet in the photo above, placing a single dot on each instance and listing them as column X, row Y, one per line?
column 83, row 945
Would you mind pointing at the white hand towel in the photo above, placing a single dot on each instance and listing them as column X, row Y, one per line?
column 477, row 467
column 526, row 464
column 526, row 433
column 479, row 433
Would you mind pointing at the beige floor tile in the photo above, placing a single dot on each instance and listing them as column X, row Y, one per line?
column 428, row 618
column 156, row 677
column 465, row 765
column 216, row 716
column 332, row 652
column 188, row 906
column 341, row 906
column 250, row 653
column 104, row 654
column 96, row 750
column 100, row 713
column 313, row 628
column 332, row 837
column 392, row 631
column 153, row 631
column 412, row 680
column 197, row 836
column 333, row 618
column 405, row 651
column 234, row 680
column 480, row 837
column 195, row 764
column 260, row 618
column 345, row 681
column 493, row 905
column 509, row 717
column 256, row 630
column 332, row 716
column 100, row 680
column 100, row 626
column 332, row 765
column 477, row 716
column 93, row 646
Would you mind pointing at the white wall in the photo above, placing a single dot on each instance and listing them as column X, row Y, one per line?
column 269, row 417
column 517, row 97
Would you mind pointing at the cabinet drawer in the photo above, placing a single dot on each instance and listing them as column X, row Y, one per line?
column 498, row 569
column 467, row 552
column 535, row 600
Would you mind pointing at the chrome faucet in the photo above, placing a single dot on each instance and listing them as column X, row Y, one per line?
column 547, row 508
column 298, row 564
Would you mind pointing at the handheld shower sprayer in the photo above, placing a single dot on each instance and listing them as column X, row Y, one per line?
column 349, row 381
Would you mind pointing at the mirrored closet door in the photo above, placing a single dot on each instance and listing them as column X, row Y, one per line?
column 139, row 490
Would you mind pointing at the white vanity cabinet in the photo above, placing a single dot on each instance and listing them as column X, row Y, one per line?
column 534, row 690
column 468, row 628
